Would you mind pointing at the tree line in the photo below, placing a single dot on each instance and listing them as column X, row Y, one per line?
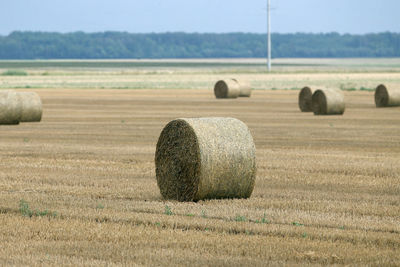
column 115, row 45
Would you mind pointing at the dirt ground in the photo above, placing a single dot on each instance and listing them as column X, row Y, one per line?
column 327, row 188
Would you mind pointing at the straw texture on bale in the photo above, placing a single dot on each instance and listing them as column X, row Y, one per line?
column 10, row 107
column 31, row 107
column 328, row 102
column 226, row 89
column 244, row 87
column 205, row 158
column 385, row 97
column 305, row 99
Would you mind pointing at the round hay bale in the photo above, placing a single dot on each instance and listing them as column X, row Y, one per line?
column 226, row 89
column 305, row 99
column 385, row 97
column 31, row 107
column 244, row 87
column 205, row 158
column 10, row 107
column 328, row 102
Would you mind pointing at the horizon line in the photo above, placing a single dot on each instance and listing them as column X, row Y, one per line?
column 189, row 33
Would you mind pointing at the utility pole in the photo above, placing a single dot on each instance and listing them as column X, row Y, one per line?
column 269, row 34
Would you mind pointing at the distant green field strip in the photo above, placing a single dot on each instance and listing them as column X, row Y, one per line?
column 132, row 85
column 122, row 64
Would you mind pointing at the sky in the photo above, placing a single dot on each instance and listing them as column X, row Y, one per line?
column 211, row 16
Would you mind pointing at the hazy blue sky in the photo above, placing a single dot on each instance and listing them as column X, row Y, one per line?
column 344, row 16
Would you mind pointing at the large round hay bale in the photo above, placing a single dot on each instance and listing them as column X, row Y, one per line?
column 385, row 97
column 226, row 89
column 244, row 87
column 31, row 107
column 305, row 99
column 328, row 102
column 205, row 158
column 10, row 107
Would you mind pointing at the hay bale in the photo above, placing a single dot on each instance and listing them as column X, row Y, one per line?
column 10, row 107
column 385, row 97
column 305, row 99
column 328, row 102
column 31, row 107
column 244, row 87
column 205, row 158
column 226, row 89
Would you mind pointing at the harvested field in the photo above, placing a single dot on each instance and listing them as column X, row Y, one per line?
column 327, row 188
column 293, row 74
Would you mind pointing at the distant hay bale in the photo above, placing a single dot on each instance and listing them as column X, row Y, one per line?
column 31, row 107
column 385, row 97
column 205, row 158
column 244, row 87
column 328, row 102
column 305, row 99
column 226, row 89
column 10, row 107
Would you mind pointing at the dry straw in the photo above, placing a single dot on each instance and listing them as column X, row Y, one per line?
column 385, row 97
column 226, row 89
column 328, row 102
column 305, row 99
column 10, row 107
column 205, row 158
column 244, row 87
column 31, row 107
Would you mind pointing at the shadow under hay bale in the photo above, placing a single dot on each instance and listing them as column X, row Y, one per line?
column 10, row 107
column 385, row 97
column 244, row 87
column 305, row 99
column 31, row 107
column 205, row 158
column 226, row 89
column 328, row 102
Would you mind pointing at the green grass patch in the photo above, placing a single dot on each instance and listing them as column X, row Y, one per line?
column 26, row 211
column 263, row 219
column 168, row 210
column 353, row 87
column 14, row 73
column 239, row 218
column 203, row 214
column 362, row 88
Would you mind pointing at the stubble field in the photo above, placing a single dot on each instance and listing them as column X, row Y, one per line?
column 327, row 187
